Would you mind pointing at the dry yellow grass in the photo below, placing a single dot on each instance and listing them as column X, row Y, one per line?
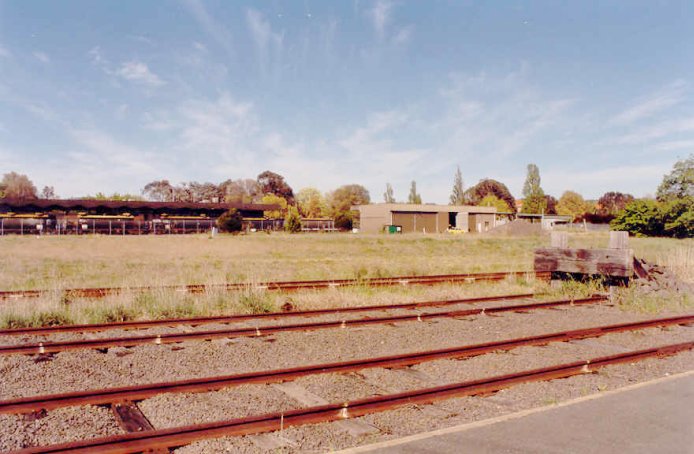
column 57, row 263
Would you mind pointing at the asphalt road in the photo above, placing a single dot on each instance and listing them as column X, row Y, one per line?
column 653, row 418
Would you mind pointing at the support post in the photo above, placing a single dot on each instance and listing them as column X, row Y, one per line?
column 559, row 240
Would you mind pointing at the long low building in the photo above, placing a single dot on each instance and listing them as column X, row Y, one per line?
column 78, row 216
column 379, row 217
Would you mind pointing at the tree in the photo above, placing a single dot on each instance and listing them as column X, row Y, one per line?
column 458, row 193
column 490, row 200
column 677, row 217
column 488, row 186
column 612, row 203
column 159, row 191
column 679, row 183
column 343, row 199
column 388, row 196
column 244, row 190
column 17, row 186
column 292, row 223
column 572, row 204
column 48, row 192
column 114, row 196
column 272, row 183
column 231, row 221
column 534, row 201
column 640, row 218
column 311, row 203
column 551, row 204
column 413, row 197
column 272, row 199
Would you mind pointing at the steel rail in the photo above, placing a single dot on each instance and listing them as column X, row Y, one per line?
column 100, row 292
column 207, row 384
column 195, row 321
column 131, row 341
column 180, row 436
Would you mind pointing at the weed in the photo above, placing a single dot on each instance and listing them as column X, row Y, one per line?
column 256, row 302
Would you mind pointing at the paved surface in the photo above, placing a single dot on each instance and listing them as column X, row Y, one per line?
column 655, row 418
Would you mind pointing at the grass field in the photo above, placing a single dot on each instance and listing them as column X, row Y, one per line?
column 56, row 263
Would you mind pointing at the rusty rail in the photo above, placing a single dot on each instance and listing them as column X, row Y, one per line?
column 140, row 392
column 100, row 292
column 180, row 436
column 195, row 321
column 130, row 341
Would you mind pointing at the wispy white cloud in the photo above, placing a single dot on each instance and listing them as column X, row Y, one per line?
column 41, row 56
column 210, row 25
column 380, row 16
column 139, row 72
column 664, row 98
column 268, row 43
column 662, row 129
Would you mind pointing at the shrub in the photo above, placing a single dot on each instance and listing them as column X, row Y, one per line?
column 292, row 223
column 640, row 218
column 231, row 221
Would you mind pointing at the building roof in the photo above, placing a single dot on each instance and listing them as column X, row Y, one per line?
column 90, row 204
column 425, row 208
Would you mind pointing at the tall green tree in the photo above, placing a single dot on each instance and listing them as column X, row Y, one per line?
column 534, row 201
column 679, row 183
column 458, row 192
column 388, row 196
column 414, row 197
column 273, row 183
column 311, row 203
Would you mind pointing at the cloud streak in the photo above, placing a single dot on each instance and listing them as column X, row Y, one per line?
column 138, row 72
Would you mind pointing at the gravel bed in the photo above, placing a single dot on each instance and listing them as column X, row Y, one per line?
column 416, row 419
column 58, row 426
column 76, row 370
column 86, row 369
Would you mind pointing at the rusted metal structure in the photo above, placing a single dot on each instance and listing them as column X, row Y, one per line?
column 167, row 338
column 148, row 440
column 207, row 384
column 100, row 292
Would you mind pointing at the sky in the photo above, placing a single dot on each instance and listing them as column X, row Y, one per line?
column 107, row 96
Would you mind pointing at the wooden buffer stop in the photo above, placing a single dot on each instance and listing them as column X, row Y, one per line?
column 615, row 264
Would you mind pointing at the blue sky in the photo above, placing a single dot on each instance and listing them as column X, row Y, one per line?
column 109, row 95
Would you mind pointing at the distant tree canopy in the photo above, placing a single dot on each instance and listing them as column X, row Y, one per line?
column 272, row 199
column 487, row 186
column 679, row 183
column 341, row 201
column 458, row 192
column 311, row 203
column 414, row 197
column 388, row 196
column 612, row 203
column 15, row 185
column 48, row 192
column 292, row 223
column 550, row 204
column 242, row 190
column 114, row 196
column 272, row 183
column 534, row 201
column 572, row 204
column 490, row 200
column 159, row 191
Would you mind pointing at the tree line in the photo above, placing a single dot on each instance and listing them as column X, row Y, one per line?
column 671, row 213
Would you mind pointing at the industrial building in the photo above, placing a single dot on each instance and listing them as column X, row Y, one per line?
column 379, row 217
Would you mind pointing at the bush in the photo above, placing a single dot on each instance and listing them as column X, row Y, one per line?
column 673, row 218
column 292, row 223
column 231, row 221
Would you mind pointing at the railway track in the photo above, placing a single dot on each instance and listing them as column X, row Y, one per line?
column 140, row 392
column 278, row 286
column 131, row 341
column 179, row 436
column 196, row 321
